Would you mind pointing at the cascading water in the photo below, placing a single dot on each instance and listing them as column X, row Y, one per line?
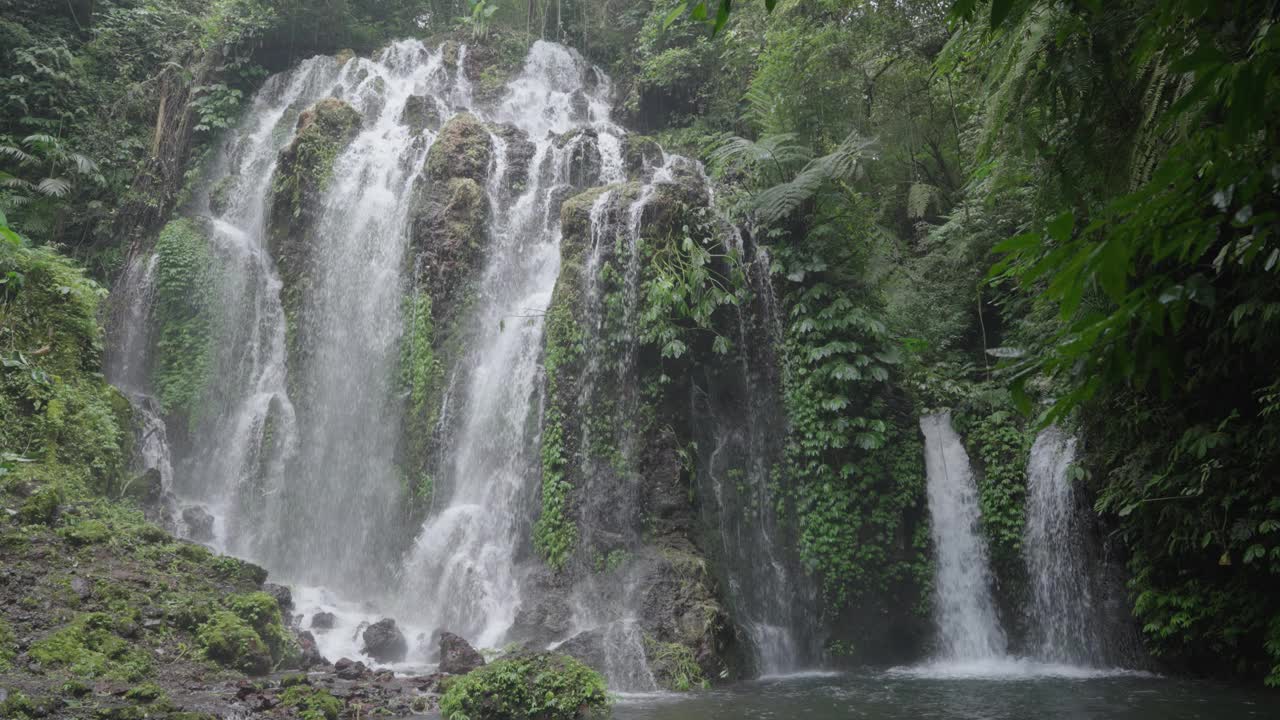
column 296, row 445
column 463, row 573
column 968, row 628
column 1063, row 625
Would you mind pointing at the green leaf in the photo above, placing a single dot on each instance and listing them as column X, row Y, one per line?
column 722, row 17
column 673, row 16
column 1060, row 228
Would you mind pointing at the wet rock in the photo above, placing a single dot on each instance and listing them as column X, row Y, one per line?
column 420, row 113
column 199, row 523
column 384, row 642
column 82, row 587
column 579, row 105
column 587, row 647
column 146, row 488
column 457, row 657
column 323, row 621
column 461, row 150
column 284, row 598
column 520, row 152
column 310, row 656
column 349, row 669
column 639, row 153
column 545, row 615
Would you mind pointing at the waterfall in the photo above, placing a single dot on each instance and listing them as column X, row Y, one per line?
column 965, row 612
column 1063, row 626
column 296, row 443
column 463, row 573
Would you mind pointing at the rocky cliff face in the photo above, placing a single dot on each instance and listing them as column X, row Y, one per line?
column 490, row 340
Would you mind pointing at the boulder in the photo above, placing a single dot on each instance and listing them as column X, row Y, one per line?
column 457, row 657
column 322, row 621
column 348, row 669
column 384, row 642
column 146, row 488
column 420, row 113
column 310, row 656
column 199, row 523
column 284, row 598
column 461, row 150
column 587, row 647
column 639, row 153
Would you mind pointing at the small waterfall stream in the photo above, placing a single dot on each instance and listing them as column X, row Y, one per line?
column 1063, row 625
column 968, row 628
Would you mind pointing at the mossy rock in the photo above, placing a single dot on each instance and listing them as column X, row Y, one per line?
column 639, row 152
column 449, row 233
column 420, row 113
column 305, row 167
column 463, row 149
column 310, row 702
column 531, row 686
column 230, row 641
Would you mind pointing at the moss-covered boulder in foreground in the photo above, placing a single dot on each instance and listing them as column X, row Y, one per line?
column 531, row 686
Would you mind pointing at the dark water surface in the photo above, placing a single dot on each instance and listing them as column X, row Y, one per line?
column 910, row 695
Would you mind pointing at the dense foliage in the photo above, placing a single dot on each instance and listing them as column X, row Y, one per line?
column 543, row 686
column 1059, row 208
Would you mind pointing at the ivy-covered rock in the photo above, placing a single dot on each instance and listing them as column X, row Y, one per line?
column 535, row 686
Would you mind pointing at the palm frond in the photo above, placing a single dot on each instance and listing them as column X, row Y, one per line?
column 17, row 154
column 54, row 187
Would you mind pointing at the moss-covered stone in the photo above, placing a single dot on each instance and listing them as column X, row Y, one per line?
column 55, row 406
column 311, row 703
column 640, row 152
column 463, row 149
column 187, row 278
column 420, row 113
column 230, row 641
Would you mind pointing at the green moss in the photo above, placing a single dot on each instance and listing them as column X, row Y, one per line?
column 524, row 687
column 229, row 640
column 996, row 440
column 311, row 703
column 461, row 150
column 186, row 287
column 8, row 645
column 306, row 166
column 262, row 613
column 422, row 376
column 86, row 532
column 41, row 507
column 146, row 693
column 90, row 647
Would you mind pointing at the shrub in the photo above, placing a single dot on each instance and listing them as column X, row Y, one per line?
column 544, row 686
